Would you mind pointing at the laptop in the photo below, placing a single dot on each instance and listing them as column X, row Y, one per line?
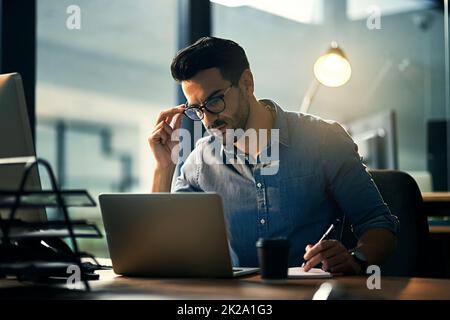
column 168, row 235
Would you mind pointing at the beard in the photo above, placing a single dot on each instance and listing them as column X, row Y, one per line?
column 225, row 126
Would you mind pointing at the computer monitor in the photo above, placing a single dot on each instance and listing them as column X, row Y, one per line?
column 15, row 142
column 376, row 138
column 437, row 153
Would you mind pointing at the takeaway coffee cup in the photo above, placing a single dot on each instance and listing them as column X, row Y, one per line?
column 273, row 254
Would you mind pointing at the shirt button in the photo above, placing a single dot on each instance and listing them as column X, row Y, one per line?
column 262, row 221
column 259, row 185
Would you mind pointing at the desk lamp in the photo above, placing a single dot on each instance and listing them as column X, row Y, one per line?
column 332, row 69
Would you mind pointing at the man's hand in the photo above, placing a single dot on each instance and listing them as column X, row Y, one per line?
column 160, row 140
column 161, row 144
column 333, row 256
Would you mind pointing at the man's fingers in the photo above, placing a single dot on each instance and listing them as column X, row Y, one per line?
column 169, row 118
column 331, row 262
column 322, row 251
column 159, row 126
column 321, row 256
column 318, row 247
column 340, row 268
column 333, row 251
column 163, row 126
column 160, row 136
column 177, row 119
column 169, row 113
column 168, row 129
column 314, row 261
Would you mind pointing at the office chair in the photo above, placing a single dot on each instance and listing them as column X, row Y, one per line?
column 402, row 195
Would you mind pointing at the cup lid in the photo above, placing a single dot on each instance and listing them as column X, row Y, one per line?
column 276, row 242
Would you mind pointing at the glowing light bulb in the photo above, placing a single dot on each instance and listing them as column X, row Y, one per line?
column 332, row 69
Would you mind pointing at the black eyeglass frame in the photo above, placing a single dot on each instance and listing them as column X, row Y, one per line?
column 203, row 106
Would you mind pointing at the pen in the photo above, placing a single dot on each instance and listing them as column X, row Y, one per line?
column 327, row 233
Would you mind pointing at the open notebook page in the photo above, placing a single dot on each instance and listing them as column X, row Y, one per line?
column 299, row 273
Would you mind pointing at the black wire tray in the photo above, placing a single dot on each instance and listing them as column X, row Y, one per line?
column 24, row 244
column 50, row 229
column 46, row 198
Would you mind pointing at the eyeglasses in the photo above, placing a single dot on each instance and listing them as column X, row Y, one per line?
column 214, row 105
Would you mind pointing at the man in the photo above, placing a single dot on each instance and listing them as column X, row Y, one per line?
column 319, row 173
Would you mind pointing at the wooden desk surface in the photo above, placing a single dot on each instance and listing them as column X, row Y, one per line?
column 111, row 286
column 436, row 203
column 436, row 196
column 252, row 287
column 439, row 229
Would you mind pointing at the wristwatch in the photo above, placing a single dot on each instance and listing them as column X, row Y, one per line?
column 360, row 259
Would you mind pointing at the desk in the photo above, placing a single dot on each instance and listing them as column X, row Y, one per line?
column 436, row 203
column 439, row 230
column 436, row 196
column 251, row 287
column 111, row 286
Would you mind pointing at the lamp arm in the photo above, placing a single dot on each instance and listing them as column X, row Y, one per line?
column 309, row 95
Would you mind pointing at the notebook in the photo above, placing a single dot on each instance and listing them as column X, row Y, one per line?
column 314, row 273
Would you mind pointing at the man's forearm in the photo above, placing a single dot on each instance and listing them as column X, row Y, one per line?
column 162, row 180
column 377, row 245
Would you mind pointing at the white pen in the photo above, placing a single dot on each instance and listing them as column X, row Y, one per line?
column 327, row 233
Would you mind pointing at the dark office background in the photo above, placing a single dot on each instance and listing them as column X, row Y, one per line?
column 93, row 93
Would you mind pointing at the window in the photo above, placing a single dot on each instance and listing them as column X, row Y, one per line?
column 99, row 90
column 361, row 9
column 398, row 67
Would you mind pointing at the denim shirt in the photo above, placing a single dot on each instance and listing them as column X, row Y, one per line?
column 319, row 177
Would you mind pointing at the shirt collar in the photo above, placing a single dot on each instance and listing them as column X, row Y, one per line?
column 281, row 122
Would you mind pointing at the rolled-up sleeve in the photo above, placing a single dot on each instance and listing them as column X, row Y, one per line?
column 351, row 185
column 187, row 181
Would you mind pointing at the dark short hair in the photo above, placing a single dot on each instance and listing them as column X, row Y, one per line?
column 210, row 52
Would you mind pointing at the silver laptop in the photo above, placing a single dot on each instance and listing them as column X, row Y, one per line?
column 168, row 235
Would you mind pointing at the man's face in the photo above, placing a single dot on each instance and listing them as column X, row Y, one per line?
column 210, row 83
